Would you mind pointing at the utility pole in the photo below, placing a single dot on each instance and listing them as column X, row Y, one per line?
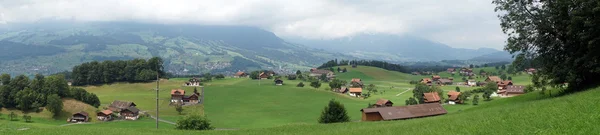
column 157, row 80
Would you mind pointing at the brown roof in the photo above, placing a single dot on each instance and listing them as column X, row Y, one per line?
column 82, row 113
column 431, row 97
column 121, row 104
column 355, row 80
column 425, row 80
column 382, row 102
column 453, row 95
column 515, row 89
column 240, row 73
column 182, row 92
column 355, row 89
column 507, row 82
column 106, row 112
column 409, row 111
column 132, row 109
column 343, row 90
column 436, row 77
column 494, row 78
column 445, row 81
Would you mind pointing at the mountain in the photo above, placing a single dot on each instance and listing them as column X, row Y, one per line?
column 393, row 48
column 186, row 49
column 494, row 57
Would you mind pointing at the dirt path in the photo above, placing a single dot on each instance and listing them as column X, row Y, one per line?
column 408, row 89
column 165, row 121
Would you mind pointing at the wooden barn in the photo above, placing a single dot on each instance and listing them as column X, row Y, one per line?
column 240, row 74
column 431, row 97
column 118, row 106
column 453, row 97
column 193, row 99
column 383, row 103
column 105, row 115
column 79, row 117
column 512, row 90
column 402, row 112
column 177, row 95
column 193, row 82
column 130, row 113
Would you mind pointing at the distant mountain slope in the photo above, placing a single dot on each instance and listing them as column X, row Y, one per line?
column 393, row 48
column 187, row 49
column 494, row 57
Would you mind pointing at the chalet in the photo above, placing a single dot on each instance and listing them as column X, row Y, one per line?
column 278, row 81
column 118, row 106
column 355, row 92
column 471, row 83
column 343, row 90
column 494, row 79
column 503, row 84
column 130, row 113
column 357, row 81
column 435, row 77
column 383, row 103
column 319, row 72
column 193, row 82
column 177, row 95
column 426, row 81
column 451, row 70
column 105, row 115
column 79, row 117
column 263, row 75
column 466, row 71
column 402, row 112
column 240, row 74
column 453, row 97
column 444, row 82
column 431, row 97
column 191, row 99
column 530, row 70
column 513, row 90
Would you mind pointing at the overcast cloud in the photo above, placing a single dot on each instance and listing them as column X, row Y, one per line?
column 458, row 23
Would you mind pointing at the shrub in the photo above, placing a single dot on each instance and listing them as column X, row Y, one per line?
column 179, row 108
column 334, row 112
column 27, row 118
column 476, row 100
column 194, row 122
column 54, row 105
column 300, row 84
column 12, row 116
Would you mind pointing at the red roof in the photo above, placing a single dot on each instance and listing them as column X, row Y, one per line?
column 453, row 95
column 106, row 112
column 355, row 89
column 181, row 92
column 431, row 97
column 240, row 73
column 382, row 102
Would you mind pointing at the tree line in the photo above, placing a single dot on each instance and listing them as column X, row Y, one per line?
column 24, row 94
column 105, row 72
column 373, row 63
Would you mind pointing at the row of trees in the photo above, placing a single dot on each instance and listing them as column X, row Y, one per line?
column 136, row 70
column 25, row 94
column 373, row 63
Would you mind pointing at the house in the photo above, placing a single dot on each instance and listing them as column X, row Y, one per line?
column 444, row 82
column 504, row 84
column 466, row 71
column 193, row 82
column 426, row 81
column 357, row 81
column 494, row 79
column 240, row 74
column 451, row 70
column 431, row 97
column 383, row 103
column 263, row 75
column 278, row 81
column 530, row 70
column 513, row 90
column 402, row 112
column 130, row 113
column 79, row 117
column 105, row 115
column 343, row 90
column 453, row 97
column 191, row 99
column 118, row 106
column 177, row 95
column 355, row 91
column 435, row 77
column 471, row 83
column 319, row 72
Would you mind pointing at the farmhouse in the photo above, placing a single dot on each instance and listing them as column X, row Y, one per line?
column 471, row 83
column 494, row 79
column 105, row 115
column 383, row 103
column 431, row 97
column 513, row 90
column 343, row 90
column 426, row 81
column 453, row 97
column 355, row 91
column 130, row 113
column 263, row 75
column 357, row 81
column 118, row 106
column 466, row 71
column 402, row 112
column 240, row 74
column 193, row 82
column 504, row 84
column 191, row 99
column 435, row 77
column 318, row 72
column 451, row 70
column 177, row 95
column 444, row 82
column 278, row 81
column 79, row 117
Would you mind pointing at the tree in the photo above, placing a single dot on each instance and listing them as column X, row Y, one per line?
column 411, row 101
column 339, row 69
column 54, row 104
column 503, row 67
column 418, row 92
column 497, row 67
column 371, row 88
column 529, row 88
column 503, row 77
column 254, row 74
column 5, row 79
column 298, row 72
column 323, row 77
column 300, row 84
column 315, row 84
column 179, row 108
column 291, row 77
column 331, row 69
column 509, row 78
column 471, row 66
column 26, row 99
column 194, row 122
column 457, row 89
column 207, row 77
column 219, row 76
column 12, row 116
column 334, row 112
column 485, row 65
column 558, row 36
column 336, row 83
column 195, row 90
column 476, row 99
column 344, row 70
column 27, row 118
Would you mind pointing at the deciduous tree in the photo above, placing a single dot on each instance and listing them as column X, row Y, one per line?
column 334, row 112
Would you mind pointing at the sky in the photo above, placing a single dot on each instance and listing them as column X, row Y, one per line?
column 457, row 23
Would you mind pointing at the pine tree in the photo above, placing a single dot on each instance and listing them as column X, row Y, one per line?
column 334, row 112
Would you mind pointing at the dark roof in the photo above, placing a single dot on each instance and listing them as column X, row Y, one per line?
column 431, row 97
column 132, row 109
column 445, row 81
column 121, row 104
column 405, row 112
column 382, row 102
column 82, row 113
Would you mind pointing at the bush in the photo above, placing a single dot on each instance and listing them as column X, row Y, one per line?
column 194, row 122
column 476, row 100
column 54, row 105
column 179, row 108
column 12, row 116
column 27, row 118
column 334, row 113
column 300, row 84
